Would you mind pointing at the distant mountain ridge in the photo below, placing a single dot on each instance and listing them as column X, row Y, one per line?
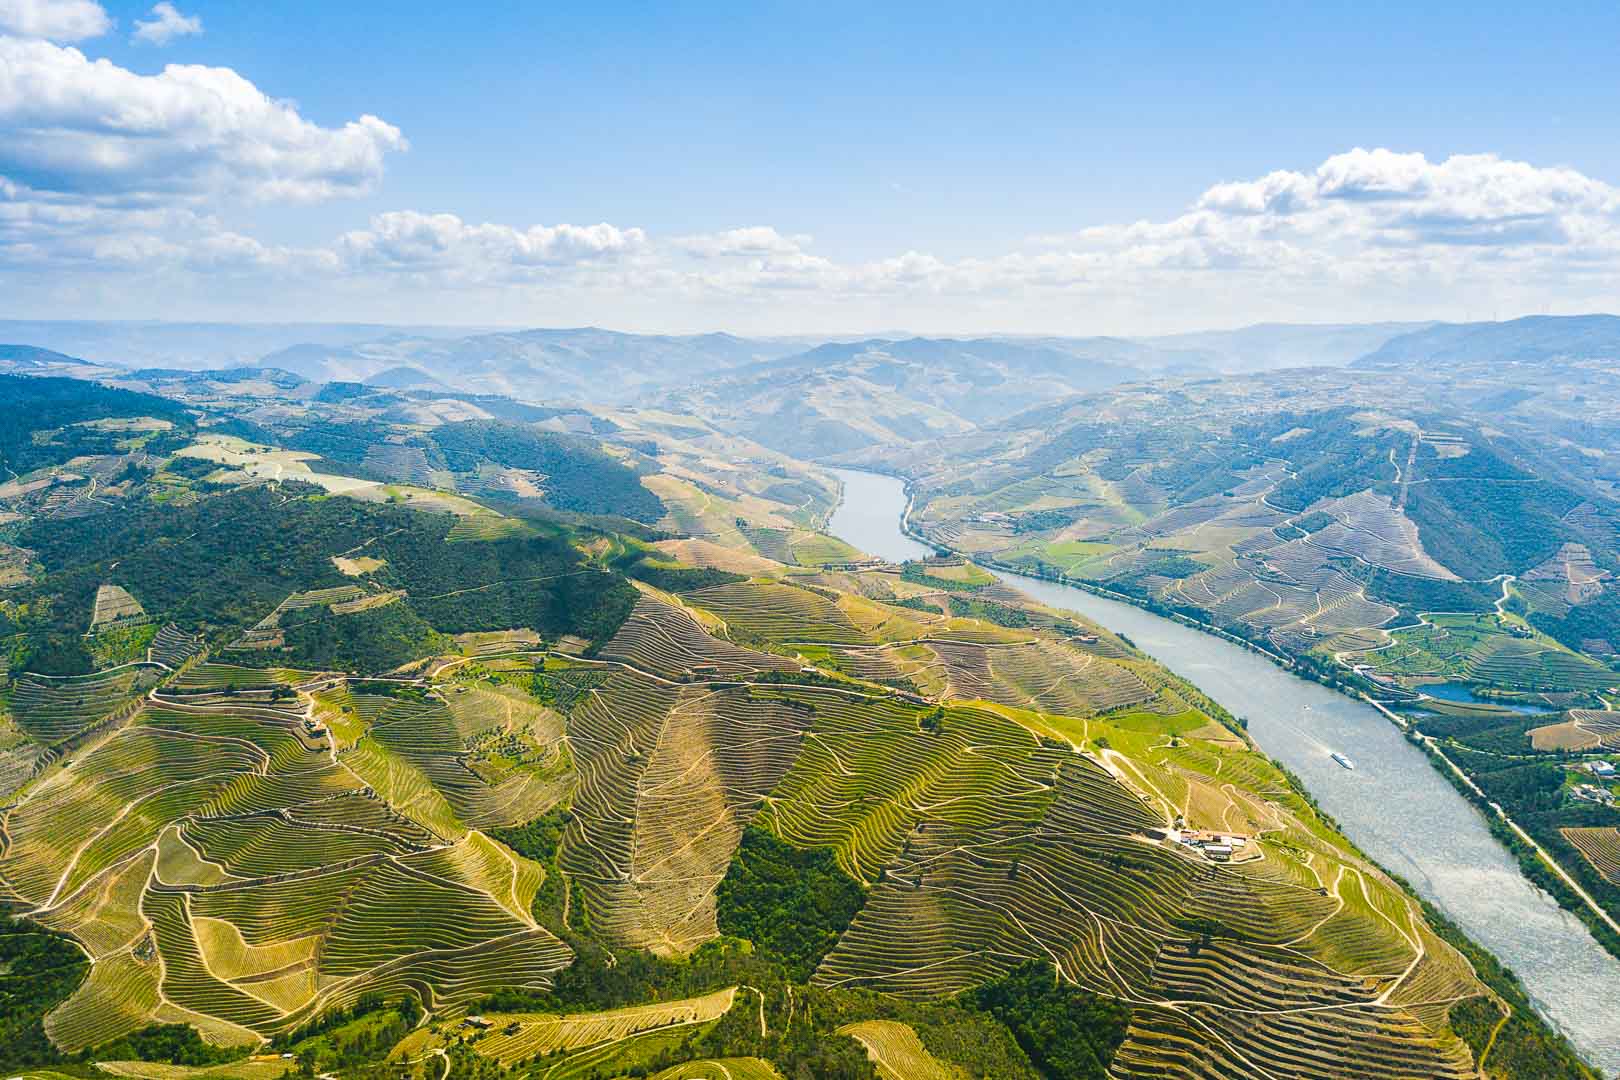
column 583, row 364
column 1532, row 339
column 890, row 387
column 22, row 359
column 1270, row 346
column 844, row 396
column 197, row 345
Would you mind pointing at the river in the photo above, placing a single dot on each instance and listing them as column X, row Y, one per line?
column 1393, row 804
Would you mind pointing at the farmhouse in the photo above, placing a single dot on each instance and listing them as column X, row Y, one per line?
column 1203, row 838
column 1593, row 793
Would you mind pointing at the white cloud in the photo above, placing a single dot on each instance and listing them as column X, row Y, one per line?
column 753, row 240
column 58, row 20
column 406, row 240
column 89, row 128
column 166, row 25
column 1368, row 234
column 1363, row 201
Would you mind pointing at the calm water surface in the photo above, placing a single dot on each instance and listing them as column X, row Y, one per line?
column 1394, row 805
column 1465, row 695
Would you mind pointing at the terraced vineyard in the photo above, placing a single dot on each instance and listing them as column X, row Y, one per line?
column 50, row 710
column 664, row 639
column 1476, row 648
column 779, row 612
column 514, row 1038
column 897, row 1052
column 669, row 776
column 1583, row 729
column 264, row 879
column 983, row 845
column 1600, row 846
column 538, row 836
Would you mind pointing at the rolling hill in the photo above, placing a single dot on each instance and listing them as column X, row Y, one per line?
column 298, row 766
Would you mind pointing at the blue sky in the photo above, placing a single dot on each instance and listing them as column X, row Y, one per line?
column 939, row 167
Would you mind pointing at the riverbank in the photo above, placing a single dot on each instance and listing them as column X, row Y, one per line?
column 1563, row 888
column 1394, row 805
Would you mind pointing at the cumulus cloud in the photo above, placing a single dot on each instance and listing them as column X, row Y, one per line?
column 75, row 126
column 406, row 240
column 1363, row 201
column 165, row 25
column 103, row 170
column 57, row 20
column 1366, row 234
column 753, row 240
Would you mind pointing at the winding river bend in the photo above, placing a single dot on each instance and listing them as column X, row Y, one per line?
column 1393, row 804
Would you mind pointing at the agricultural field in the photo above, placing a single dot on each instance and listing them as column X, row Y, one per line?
column 897, row 1052
column 1601, row 848
column 1487, row 651
column 636, row 772
column 990, row 843
column 267, row 879
column 515, row 1038
column 114, row 605
column 1581, row 729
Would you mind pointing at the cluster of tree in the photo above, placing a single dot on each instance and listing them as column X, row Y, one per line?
column 40, row 970
column 344, row 442
column 1330, row 455
column 1203, row 469
column 1519, row 785
column 775, row 676
column 1304, row 526
column 338, row 391
column 1492, row 733
column 792, row 903
column 1481, row 528
column 1000, row 614
column 1069, row 1033
column 224, row 561
column 917, row 573
column 646, row 564
column 341, row 1039
column 36, row 405
column 176, row 1044
column 1596, row 620
column 538, row 581
column 537, row 839
column 190, row 468
column 1031, row 521
column 580, row 476
column 1413, row 594
column 371, row 641
column 1135, row 583
column 915, row 603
